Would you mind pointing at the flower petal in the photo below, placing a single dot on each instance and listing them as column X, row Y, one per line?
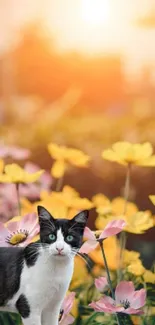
column 28, row 221
column 68, row 302
column 30, row 239
column 67, row 320
column 106, row 304
column 3, row 234
column 107, row 301
column 101, row 283
column 35, row 230
column 18, row 153
column 139, row 299
column 112, row 156
column 88, row 246
column 124, row 291
column 133, row 311
column 13, row 226
column 58, row 168
column 89, row 234
column 113, row 228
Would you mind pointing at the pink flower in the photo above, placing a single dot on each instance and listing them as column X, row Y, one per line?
column 101, row 284
column 8, row 194
column 127, row 300
column 67, row 319
column 30, row 191
column 13, row 152
column 113, row 228
column 8, row 201
column 19, row 233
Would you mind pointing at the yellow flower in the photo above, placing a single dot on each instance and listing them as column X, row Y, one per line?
column 118, row 207
column 58, row 169
column 131, row 261
column 112, row 252
column 115, row 207
column 139, row 222
column 100, row 200
column 1, row 166
column 130, row 257
column 136, row 223
column 127, row 153
column 136, row 268
column 77, row 158
column 54, row 205
column 102, row 203
column 13, row 173
column 97, row 270
column 65, row 156
column 149, row 276
column 65, row 204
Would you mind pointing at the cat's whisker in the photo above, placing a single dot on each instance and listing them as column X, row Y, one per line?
column 82, row 257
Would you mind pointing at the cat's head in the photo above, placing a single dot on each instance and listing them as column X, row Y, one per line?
column 62, row 237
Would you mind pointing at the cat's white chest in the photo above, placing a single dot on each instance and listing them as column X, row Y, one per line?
column 47, row 280
column 44, row 282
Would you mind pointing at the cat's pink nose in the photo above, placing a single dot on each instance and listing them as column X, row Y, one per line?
column 59, row 249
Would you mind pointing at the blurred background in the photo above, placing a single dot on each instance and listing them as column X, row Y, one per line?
column 81, row 73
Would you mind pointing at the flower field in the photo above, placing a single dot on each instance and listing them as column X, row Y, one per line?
column 111, row 284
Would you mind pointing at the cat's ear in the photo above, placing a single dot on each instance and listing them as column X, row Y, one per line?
column 81, row 217
column 44, row 214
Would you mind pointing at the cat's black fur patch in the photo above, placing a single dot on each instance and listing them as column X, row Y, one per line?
column 31, row 254
column 22, row 306
column 70, row 228
column 11, row 264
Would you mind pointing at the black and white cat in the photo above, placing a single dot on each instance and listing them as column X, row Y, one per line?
column 34, row 279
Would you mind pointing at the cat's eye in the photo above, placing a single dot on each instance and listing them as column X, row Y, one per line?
column 69, row 238
column 52, row 237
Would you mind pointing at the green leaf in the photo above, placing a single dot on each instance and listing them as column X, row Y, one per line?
column 9, row 319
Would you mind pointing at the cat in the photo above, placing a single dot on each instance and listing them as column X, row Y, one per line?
column 34, row 279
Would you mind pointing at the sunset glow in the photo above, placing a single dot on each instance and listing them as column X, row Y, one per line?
column 91, row 27
column 95, row 12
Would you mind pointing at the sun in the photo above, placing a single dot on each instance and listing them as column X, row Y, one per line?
column 95, row 12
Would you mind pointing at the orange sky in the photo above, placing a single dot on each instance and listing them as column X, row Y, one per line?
column 75, row 28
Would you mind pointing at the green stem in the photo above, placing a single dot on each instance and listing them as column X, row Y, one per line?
column 59, row 184
column 123, row 236
column 92, row 317
column 127, row 188
column 18, row 198
column 107, row 270
column 108, row 276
